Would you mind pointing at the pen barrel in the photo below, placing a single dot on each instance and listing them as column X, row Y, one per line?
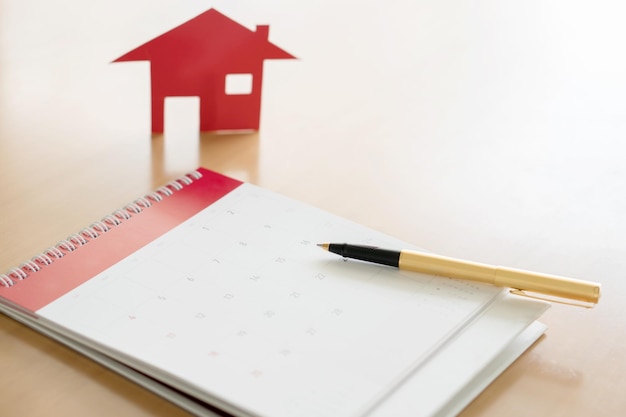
column 447, row 267
column 552, row 285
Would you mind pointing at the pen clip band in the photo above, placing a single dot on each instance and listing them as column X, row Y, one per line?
column 550, row 299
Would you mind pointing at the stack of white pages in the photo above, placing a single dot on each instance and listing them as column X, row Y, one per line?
column 212, row 293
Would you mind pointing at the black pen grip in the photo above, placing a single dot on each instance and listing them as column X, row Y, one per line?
column 366, row 253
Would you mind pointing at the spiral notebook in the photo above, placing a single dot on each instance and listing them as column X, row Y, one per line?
column 212, row 293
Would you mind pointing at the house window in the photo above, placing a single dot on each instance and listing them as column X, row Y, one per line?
column 238, row 84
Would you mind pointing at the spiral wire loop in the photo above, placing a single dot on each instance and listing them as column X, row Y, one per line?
column 93, row 231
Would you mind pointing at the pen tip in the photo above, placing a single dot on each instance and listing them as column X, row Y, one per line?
column 323, row 245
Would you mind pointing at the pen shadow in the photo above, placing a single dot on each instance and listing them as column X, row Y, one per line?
column 387, row 280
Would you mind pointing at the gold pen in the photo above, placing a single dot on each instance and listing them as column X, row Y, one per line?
column 521, row 282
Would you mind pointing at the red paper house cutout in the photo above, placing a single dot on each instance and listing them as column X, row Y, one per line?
column 195, row 58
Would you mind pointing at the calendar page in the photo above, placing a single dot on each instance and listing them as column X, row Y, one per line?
column 237, row 306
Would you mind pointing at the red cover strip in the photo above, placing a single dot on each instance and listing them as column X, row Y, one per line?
column 63, row 275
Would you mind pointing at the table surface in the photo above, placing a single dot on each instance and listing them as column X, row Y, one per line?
column 490, row 131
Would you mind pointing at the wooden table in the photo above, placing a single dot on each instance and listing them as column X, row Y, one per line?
column 491, row 131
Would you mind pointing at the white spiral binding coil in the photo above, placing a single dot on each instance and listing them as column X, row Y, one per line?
column 18, row 272
column 31, row 266
column 42, row 259
column 66, row 245
column 165, row 190
column 177, row 186
column 100, row 226
column 77, row 239
column 121, row 214
column 154, row 196
column 5, row 280
column 93, row 231
column 54, row 253
column 111, row 220
column 143, row 202
column 132, row 207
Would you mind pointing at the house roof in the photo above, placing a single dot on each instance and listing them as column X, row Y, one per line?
column 210, row 39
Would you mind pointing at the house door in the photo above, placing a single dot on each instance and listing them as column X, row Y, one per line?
column 181, row 134
column 182, row 115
